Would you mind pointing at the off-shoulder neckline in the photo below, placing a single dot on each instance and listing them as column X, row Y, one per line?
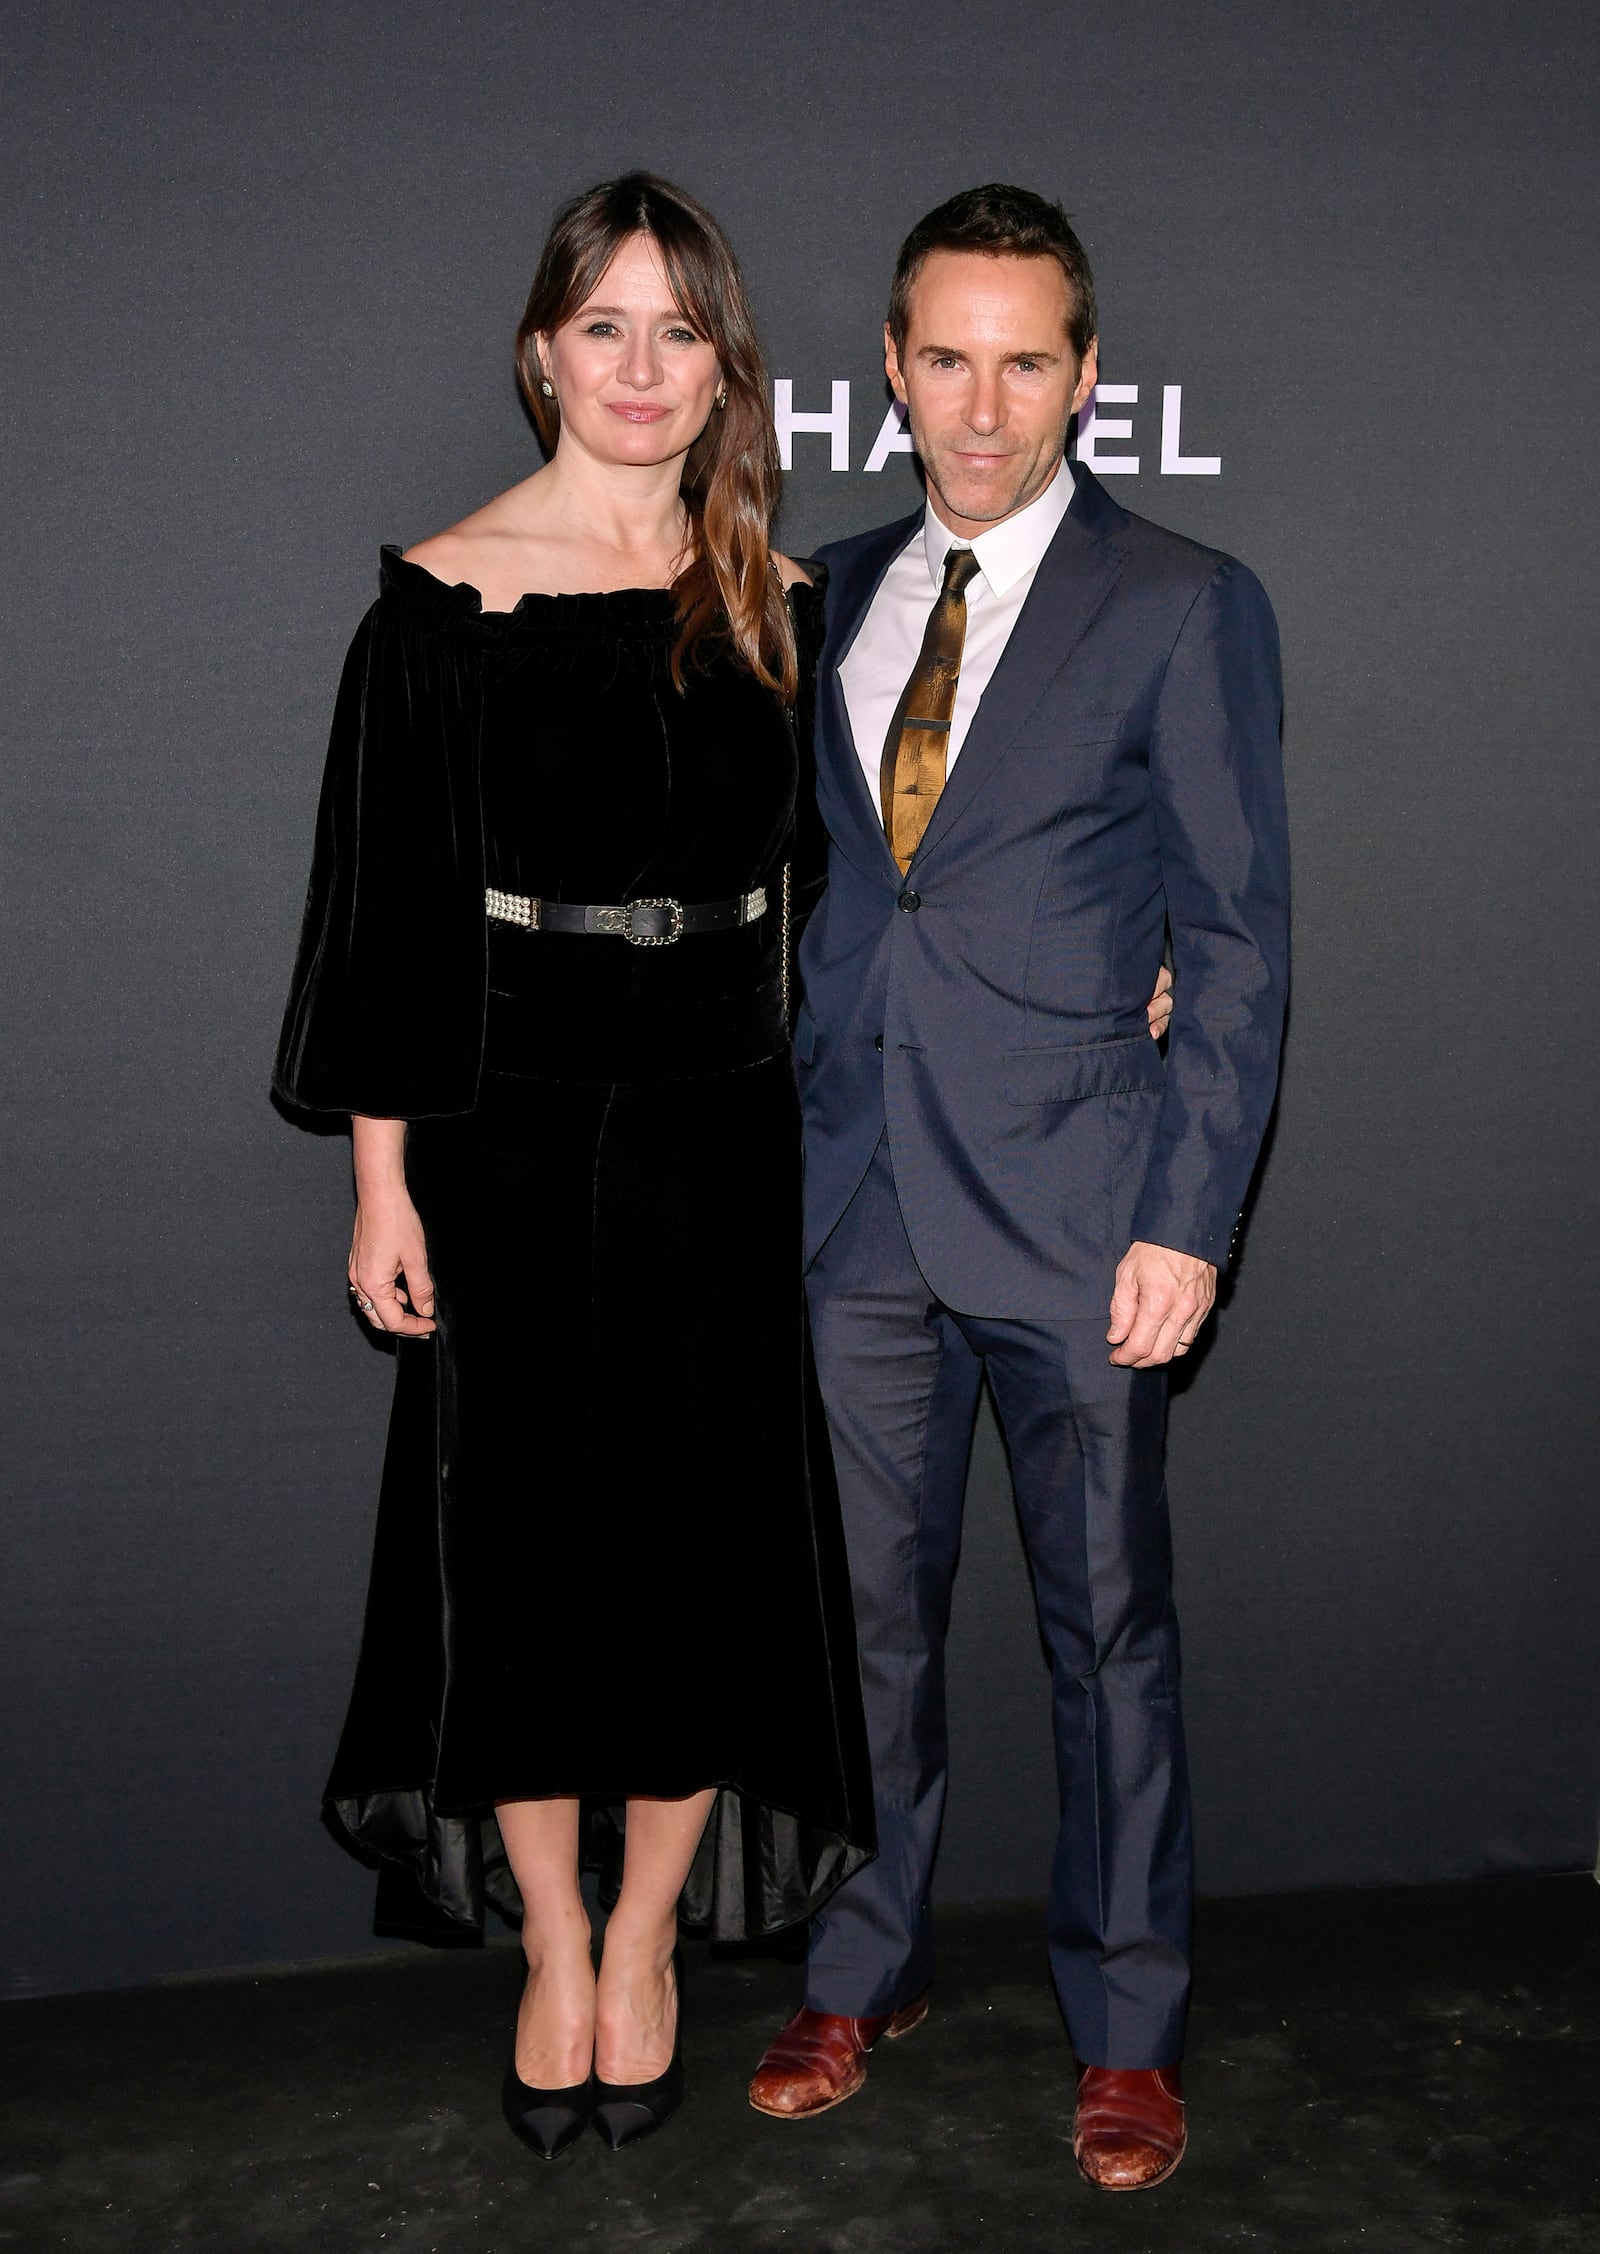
column 460, row 594
column 398, row 571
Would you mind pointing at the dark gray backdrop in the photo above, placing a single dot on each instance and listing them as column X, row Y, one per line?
column 265, row 263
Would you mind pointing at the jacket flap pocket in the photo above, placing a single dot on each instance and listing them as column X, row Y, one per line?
column 1088, row 1068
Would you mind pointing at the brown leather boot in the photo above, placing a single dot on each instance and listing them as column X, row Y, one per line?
column 820, row 2059
column 1130, row 2130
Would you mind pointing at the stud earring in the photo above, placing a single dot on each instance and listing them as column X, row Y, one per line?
column 721, row 399
column 547, row 387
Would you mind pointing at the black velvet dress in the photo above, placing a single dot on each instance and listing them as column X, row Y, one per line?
column 608, row 1558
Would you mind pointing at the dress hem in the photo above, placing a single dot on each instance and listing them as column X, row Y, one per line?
column 760, row 1869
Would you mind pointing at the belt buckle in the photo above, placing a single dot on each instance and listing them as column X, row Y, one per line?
column 652, row 938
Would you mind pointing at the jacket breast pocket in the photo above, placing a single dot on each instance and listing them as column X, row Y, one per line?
column 1127, row 1065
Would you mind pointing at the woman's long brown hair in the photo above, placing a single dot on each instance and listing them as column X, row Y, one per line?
column 728, row 591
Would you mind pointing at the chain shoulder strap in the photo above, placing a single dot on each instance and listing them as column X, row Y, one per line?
column 785, row 885
column 783, row 941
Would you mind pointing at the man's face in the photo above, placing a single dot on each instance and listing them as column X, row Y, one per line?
column 989, row 380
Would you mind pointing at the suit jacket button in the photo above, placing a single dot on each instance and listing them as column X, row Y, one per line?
column 877, row 1041
column 911, row 902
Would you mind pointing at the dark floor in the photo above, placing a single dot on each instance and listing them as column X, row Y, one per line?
column 1378, row 2071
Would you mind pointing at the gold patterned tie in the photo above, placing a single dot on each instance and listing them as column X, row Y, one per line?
column 915, row 755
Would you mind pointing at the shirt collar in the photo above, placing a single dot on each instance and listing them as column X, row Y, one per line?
column 1008, row 551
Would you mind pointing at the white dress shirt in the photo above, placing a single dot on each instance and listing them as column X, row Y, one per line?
column 883, row 653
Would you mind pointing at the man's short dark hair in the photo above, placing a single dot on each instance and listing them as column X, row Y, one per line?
column 997, row 222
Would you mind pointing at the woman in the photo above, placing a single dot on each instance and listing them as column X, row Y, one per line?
column 544, row 968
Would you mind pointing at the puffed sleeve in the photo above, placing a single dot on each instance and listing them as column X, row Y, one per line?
column 386, row 1007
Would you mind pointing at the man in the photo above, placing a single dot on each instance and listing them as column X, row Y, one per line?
column 1048, row 743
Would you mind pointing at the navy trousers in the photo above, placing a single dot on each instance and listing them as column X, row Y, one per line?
column 900, row 1374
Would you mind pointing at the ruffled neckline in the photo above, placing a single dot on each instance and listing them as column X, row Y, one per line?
column 622, row 609
column 418, row 586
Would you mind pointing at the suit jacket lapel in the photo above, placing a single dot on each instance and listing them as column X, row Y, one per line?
column 847, row 801
column 1075, row 575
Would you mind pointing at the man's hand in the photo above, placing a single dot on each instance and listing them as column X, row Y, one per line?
column 1159, row 1007
column 1160, row 1302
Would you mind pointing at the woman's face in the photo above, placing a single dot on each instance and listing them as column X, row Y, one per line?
column 634, row 379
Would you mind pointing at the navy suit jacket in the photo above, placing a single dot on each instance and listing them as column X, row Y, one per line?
column 1121, row 779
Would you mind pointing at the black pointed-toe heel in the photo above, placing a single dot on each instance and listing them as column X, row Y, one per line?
column 626, row 2111
column 547, row 2121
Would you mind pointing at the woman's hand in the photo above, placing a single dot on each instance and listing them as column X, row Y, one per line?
column 388, row 1251
column 1160, row 1004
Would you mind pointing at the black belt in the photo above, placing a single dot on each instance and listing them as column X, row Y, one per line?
column 643, row 923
